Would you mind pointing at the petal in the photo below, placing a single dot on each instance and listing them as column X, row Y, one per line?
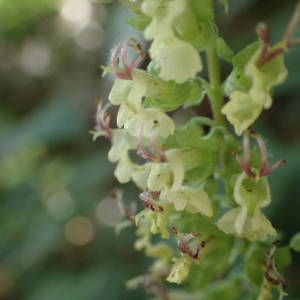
column 160, row 177
column 252, row 193
column 180, row 269
column 241, row 111
column 124, row 169
column 191, row 199
column 120, row 91
column 179, row 60
column 121, row 143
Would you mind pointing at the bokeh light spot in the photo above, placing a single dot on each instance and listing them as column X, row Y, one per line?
column 60, row 205
column 79, row 231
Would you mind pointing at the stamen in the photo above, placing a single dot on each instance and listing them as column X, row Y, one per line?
column 183, row 243
column 264, row 32
column 103, row 119
column 269, row 170
column 286, row 42
column 157, row 155
column 117, row 195
column 118, row 59
column 292, row 24
column 245, row 162
column 263, row 150
column 272, row 275
column 160, row 153
column 149, row 199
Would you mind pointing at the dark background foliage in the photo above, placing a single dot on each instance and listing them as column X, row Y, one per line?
column 56, row 239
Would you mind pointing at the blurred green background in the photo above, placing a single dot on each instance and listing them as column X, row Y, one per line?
column 56, row 235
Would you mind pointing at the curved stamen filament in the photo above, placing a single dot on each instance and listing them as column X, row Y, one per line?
column 183, row 243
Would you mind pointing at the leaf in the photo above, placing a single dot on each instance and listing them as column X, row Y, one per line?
column 241, row 59
column 139, row 21
column 223, row 50
column 254, row 265
column 169, row 95
column 295, row 242
column 282, row 258
column 237, row 79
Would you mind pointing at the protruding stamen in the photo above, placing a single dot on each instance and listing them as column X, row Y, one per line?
column 103, row 119
column 157, row 154
column 118, row 58
column 262, row 149
column 268, row 170
column 271, row 274
column 245, row 162
column 183, row 243
column 117, row 195
column 267, row 54
column 150, row 199
column 292, row 24
column 264, row 33
column 160, row 153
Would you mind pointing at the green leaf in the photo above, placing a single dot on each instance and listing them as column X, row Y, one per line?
column 223, row 50
column 238, row 80
column 169, row 95
column 254, row 265
column 200, row 34
column 241, row 59
column 295, row 242
column 282, row 258
column 186, row 136
column 203, row 10
column 139, row 21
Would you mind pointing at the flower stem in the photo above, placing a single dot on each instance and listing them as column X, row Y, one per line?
column 216, row 92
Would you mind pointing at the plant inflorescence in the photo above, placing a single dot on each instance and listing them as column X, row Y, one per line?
column 203, row 184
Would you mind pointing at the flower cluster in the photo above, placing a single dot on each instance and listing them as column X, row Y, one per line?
column 190, row 184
